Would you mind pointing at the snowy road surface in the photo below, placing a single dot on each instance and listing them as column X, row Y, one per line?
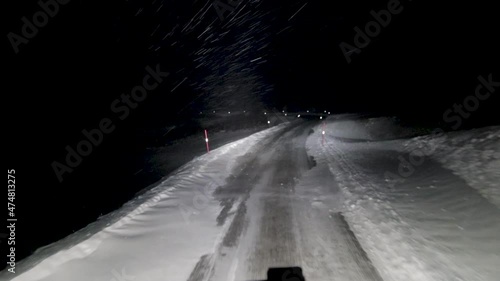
column 370, row 203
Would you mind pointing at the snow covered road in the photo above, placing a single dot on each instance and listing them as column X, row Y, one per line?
column 276, row 223
column 282, row 198
column 417, row 219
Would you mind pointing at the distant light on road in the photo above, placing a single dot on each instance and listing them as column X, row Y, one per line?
column 268, row 122
column 321, row 117
column 265, row 113
column 323, row 132
column 229, row 112
column 328, row 112
column 285, row 114
column 308, row 111
column 298, row 115
column 206, row 140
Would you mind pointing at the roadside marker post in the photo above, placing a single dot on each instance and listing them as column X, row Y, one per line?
column 206, row 141
column 323, row 134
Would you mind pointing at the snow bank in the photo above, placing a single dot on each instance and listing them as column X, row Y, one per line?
column 159, row 235
column 369, row 129
column 473, row 155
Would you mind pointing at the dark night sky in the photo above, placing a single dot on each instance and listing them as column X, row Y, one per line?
column 64, row 80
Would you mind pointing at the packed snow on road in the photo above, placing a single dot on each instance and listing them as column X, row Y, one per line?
column 366, row 200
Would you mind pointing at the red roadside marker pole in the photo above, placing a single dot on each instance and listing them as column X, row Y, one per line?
column 206, row 141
